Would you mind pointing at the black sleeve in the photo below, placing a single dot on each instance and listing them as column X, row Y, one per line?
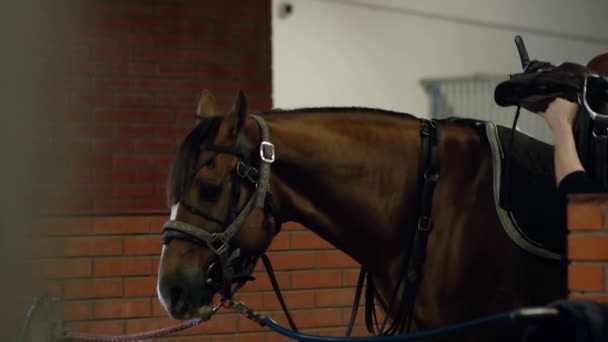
column 579, row 182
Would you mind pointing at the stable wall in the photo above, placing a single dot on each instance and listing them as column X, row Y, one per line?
column 376, row 52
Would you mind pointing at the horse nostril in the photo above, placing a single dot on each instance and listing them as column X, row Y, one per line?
column 175, row 294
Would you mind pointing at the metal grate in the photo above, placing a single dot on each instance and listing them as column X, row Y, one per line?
column 473, row 97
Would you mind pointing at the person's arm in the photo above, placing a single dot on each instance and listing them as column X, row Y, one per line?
column 560, row 117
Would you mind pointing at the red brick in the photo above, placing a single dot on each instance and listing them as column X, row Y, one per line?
column 158, row 24
column 350, row 277
column 157, row 222
column 154, row 84
column 175, row 69
column 77, row 311
column 134, row 131
column 239, row 337
column 155, row 146
column 112, row 205
column 175, row 100
column 155, row 54
column 137, row 69
column 155, row 116
column 155, row 264
column 134, row 190
column 121, row 225
column 92, row 288
column 140, row 287
column 91, row 130
column 318, row 318
column 315, row 279
column 97, row 328
column 307, row 240
column 586, row 216
column 335, row 259
column 601, row 298
column 218, row 71
column 111, row 83
column 294, row 260
column 194, row 27
column 293, row 299
column 262, row 283
column 123, row 308
column 114, row 176
column 588, row 247
column 151, row 204
column 66, row 268
column 221, row 323
column 142, row 245
column 157, row 309
column 280, row 242
column 92, row 246
column 115, row 115
column 137, row 9
column 152, row 177
column 135, row 100
column 585, row 277
column 334, row 297
column 122, row 267
column 142, row 161
column 113, row 145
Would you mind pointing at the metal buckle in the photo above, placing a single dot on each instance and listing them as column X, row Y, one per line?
column 424, row 223
column 431, row 177
column 215, row 237
column 267, row 151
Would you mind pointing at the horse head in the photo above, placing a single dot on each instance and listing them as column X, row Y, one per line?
column 221, row 210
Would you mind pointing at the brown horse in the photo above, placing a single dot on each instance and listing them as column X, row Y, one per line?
column 352, row 176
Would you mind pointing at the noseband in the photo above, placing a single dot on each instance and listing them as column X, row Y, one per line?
column 230, row 266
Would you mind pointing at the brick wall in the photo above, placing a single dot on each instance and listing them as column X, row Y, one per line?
column 105, row 269
column 588, row 247
column 136, row 68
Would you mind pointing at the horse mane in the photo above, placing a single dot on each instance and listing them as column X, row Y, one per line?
column 184, row 163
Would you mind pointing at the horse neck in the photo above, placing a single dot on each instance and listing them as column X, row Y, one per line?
column 347, row 178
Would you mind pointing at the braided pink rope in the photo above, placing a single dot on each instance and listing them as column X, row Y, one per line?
column 136, row 336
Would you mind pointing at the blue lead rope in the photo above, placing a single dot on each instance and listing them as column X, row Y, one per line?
column 510, row 316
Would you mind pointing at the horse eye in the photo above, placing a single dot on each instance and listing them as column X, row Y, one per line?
column 209, row 192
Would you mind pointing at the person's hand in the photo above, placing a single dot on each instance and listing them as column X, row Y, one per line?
column 560, row 113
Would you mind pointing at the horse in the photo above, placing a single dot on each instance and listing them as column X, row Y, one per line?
column 370, row 182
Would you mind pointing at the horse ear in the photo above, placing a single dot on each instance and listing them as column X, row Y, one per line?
column 206, row 105
column 237, row 116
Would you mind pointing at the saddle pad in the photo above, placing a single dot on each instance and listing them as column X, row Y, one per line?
column 527, row 203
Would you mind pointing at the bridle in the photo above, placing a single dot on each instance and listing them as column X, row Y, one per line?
column 231, row 267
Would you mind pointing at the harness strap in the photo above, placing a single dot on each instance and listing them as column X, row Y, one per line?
column 424, row 226
column 414, row 258
column 277, row 290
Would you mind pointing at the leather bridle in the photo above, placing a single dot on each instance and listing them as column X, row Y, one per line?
column 231, row 268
